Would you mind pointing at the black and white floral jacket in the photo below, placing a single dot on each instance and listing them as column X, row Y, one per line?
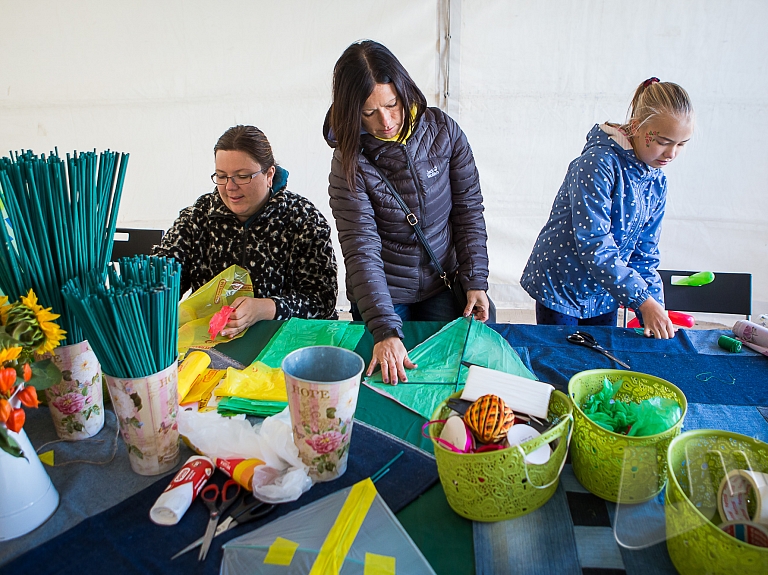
column 286, row 248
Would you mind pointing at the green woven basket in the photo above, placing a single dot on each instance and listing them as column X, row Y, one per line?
column 498, row 485
column 698, row 461
column 598, row 455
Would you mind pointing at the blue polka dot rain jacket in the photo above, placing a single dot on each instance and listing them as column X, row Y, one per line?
column 599, row 248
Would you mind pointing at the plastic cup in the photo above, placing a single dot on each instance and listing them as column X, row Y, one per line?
column 322, row 384
column 146, row 408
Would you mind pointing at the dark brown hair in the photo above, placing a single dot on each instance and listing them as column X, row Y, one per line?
column 248, row 139
column 358, row 70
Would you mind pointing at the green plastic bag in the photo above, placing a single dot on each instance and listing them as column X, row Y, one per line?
column 649, row 417
column 297, row 333
column 440, row 371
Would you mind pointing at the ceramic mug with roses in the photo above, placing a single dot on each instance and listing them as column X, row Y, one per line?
column 322, row 384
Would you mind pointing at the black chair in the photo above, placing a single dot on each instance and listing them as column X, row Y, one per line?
column 130, row 242
column 729, row 293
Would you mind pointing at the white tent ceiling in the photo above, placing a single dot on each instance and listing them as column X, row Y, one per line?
column 526, row 80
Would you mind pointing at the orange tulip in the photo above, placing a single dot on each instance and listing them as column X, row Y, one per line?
column 27, row 372
column 15, row 420
column 7, row 379
column 28, row 396
column 5, row 409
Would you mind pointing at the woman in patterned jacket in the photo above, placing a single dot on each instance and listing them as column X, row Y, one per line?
column 380, row 126
column 252, row 220
column 600, row 247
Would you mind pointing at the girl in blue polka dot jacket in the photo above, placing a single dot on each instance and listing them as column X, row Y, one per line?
column 599, row 249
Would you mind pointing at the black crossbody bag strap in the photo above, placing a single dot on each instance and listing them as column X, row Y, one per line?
column 414, row 222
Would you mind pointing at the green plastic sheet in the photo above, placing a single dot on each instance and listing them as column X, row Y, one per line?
column 234, row 405
column 298, row 333
column 648, row 417
column 440, row 371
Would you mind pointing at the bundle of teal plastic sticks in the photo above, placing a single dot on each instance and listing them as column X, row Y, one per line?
column 130, row 315
column 59, row 223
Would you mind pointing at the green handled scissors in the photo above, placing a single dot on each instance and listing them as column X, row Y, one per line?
column 249, row 509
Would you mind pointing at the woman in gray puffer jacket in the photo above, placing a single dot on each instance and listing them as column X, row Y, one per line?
column 380, row 127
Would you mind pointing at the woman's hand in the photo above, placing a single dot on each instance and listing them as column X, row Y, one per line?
column 477, row 305
column 656, row 322
column 248, row 311
column 393, row 358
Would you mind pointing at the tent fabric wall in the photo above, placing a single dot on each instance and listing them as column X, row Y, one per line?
column 526, row 80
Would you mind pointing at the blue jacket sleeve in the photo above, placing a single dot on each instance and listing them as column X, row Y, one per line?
column 645, row 259
column 593, row 187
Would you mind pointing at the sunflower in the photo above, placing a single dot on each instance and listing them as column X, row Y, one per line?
column 53, row 333
column 4, row 309
column 9, row 354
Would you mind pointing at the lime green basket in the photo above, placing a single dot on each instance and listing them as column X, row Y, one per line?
column 498, row 485
column 598, row 455
column 698, row 460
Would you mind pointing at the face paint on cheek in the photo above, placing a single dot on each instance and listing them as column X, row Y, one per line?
column 650, row 137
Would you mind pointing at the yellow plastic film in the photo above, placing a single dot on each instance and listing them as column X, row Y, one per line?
column 281, row 552
column 378, row 565
column 345, row 528
column 203, row 385
column 257, row 381
column 193, row 365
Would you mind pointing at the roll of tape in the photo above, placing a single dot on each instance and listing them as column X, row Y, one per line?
column 736, row 490
column 752, row 533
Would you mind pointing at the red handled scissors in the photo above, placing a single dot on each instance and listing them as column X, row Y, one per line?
column 210, row 494
column 249, row 509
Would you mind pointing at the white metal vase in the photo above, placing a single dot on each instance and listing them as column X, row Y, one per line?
column 28, row 496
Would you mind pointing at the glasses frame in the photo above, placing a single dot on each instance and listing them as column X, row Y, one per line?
column 214, row 175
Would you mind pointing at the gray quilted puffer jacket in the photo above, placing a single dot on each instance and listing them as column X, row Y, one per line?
column 435, row 174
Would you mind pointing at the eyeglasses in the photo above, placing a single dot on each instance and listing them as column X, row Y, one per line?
column 239, row 179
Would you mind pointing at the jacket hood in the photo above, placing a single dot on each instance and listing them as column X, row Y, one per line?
column 330, row 137
column 610, row 136
column 280, row 179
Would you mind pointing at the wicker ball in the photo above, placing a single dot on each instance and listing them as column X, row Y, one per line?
column 489, row 418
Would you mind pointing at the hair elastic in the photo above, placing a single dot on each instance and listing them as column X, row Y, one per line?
column 650, row 81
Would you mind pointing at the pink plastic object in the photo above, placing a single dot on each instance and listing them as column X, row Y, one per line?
column 676, row 317
column 219, row 320
column 681, row 319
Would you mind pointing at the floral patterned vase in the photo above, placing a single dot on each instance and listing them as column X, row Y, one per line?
column 28, row 496
column 322, row 384
column 146, row 408
column 77, row 401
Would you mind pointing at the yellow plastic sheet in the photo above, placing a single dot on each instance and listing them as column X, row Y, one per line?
column 257, row 381
column 378, row 565
column 345, row 529
column 203, row 386
column 190, row 369
column 281, row 552
column 196, row 311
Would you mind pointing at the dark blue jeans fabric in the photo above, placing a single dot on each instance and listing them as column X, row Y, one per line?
column 440, row 307
column 546, row 316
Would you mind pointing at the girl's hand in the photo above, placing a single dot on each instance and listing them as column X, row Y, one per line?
column 477, row 305
column 656, row 322
column 248, row 311
column 393, row 358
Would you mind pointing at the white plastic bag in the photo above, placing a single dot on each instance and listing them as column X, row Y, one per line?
column 282, row 478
